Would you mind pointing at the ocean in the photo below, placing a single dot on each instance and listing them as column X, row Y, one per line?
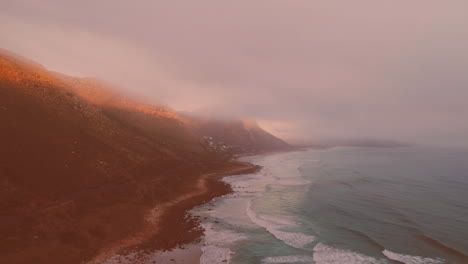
column 343, row 205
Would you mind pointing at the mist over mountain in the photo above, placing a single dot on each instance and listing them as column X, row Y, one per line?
column 314, row 70
column 247, row 131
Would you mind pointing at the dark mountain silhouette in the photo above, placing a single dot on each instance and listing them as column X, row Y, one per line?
column 239, row 135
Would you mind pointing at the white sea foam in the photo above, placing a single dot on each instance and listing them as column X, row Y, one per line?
column 324, row 254
column 216, row 244
column 219, row 241
column 250, row 184
column 220, row 236
column 229, row 211
column 280, row 220
column 288, row 259
column 292, row 181
column 407, row 259
column 276, row 172
column 297, row 240
column 214, row 254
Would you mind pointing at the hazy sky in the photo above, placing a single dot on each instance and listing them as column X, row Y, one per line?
column 386, row 69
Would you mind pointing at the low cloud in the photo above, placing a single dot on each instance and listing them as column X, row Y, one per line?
column 309, row 70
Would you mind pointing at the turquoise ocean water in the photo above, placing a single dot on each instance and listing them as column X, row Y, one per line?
column 344, row 205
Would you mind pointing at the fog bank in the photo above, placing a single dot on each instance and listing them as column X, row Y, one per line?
column 307, row 70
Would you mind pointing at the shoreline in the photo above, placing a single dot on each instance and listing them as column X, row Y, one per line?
column 168, row 227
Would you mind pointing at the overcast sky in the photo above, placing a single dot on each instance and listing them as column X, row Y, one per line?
column 384, row 69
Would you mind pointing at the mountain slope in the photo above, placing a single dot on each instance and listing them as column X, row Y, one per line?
column 242, row 137
column 81, row 166
column 78, row 170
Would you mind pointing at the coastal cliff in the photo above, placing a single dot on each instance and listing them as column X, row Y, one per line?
column 240, row 137
column 81, row 166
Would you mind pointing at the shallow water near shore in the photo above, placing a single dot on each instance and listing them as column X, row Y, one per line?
column 343, row 205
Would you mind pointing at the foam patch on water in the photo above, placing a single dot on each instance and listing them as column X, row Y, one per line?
column 216, row 244
column 279, row 220
column 297, row 240
column 407, row 259
column 324, row 254
column 292, row 181
column 288, row 259
column 250, row 184
column 220, row 236
column 213, row 254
